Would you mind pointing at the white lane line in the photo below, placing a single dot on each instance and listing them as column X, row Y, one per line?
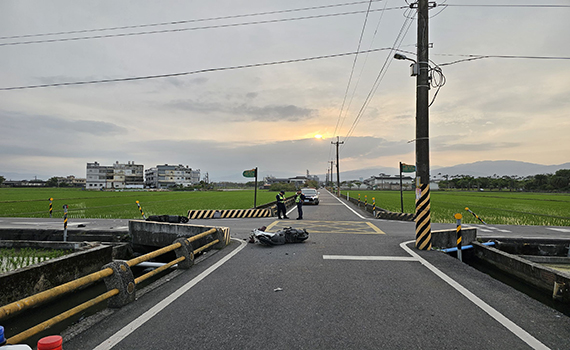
column 371, row 258
column 142, row 319
column 558, row 229
column 510, row 325
column 349, row 208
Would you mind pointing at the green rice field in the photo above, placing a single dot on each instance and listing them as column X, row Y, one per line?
column 512, row 208
column 34, row 203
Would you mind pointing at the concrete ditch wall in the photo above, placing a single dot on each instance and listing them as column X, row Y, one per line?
column 380, row 213
column 161, row 234
column 33, row 279
column 443, row 239
column 549, row 280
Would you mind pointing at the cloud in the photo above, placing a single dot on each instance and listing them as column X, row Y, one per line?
column 265, row 113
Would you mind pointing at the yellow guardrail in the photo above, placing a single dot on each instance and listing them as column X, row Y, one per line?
column 50, row 294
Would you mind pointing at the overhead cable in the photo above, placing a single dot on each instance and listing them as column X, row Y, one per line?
column 105, row 36
column 158, row 76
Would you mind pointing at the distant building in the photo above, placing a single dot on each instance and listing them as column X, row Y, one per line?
column 298, row 181
column 24, row 183
column 387, row 182
column 116, row 176
column 165, row 176
column 71, row 181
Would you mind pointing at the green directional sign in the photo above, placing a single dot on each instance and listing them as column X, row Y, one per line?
column 249, row 173
column 407, row 168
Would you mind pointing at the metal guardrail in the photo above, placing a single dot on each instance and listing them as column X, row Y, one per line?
column 107, row 272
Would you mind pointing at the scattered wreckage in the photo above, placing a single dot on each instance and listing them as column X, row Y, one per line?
column 286, row 235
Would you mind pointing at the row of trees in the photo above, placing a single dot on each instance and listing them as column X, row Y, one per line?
column 557, row 182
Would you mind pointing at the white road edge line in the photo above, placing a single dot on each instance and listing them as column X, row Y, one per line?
column 349, row 208
column 510, row 325
column 142, row 319
column 372, row 258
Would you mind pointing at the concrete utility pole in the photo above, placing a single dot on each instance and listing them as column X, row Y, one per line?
column 337, row 167
column 332, row 163
column 423, row 220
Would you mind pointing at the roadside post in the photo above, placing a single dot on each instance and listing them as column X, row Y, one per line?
column 359, row 200
column 475, row 215
column 50, row 207
column 65, row 222
column 404, row 168
column 252, row 173
column 458, row 217
column 365, row 201
column 140, row 209
column 374, row 206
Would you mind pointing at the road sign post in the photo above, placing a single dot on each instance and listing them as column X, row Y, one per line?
column 252, row 173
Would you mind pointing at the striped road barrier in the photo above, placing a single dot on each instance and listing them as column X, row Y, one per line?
column 230, row 213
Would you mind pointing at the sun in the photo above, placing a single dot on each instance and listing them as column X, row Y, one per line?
column 318, row 136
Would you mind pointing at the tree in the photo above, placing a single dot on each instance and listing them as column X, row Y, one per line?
column 311, row 183
column 52, row 182
column 2, row 179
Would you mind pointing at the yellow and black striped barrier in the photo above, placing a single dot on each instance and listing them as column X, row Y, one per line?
column 229, row 213
column 458, row 217
column 50, row 207
column 423, row 218
column 140, row 209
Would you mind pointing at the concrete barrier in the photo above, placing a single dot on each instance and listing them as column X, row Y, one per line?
column 549, row 280
column 448, row 238
column 380, row 213
column 33, row 279
column 161, row 234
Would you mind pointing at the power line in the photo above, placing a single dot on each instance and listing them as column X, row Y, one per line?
column 499, row 5
column 400, row 37
column 352, row 70
column 158, row 76
column 104, row 36
column 187, row 21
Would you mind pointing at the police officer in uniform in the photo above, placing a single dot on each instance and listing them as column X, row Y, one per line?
column 281, row 205
column 299, row 199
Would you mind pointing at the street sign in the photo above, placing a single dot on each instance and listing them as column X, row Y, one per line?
column 249, row 173
column 407, row 168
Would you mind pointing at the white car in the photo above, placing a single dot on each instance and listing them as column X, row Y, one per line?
column 311, row 195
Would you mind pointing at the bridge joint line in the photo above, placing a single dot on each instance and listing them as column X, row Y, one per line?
column 369, row 258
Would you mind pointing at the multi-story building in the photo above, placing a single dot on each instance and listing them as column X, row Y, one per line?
column 117, row 176
column 165, row 176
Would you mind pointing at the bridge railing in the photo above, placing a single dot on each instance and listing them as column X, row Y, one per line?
column 118, row 278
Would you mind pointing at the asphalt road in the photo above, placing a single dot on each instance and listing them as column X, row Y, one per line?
column 352, row 285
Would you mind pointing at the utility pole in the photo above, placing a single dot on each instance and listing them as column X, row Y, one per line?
column 332, row 163
column 337, row 167
column 423, row 219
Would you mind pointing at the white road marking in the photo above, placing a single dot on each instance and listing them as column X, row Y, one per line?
column 349, row 208
column 558, row 229
column 510, row 325
column 371, row 258
column 142, row 319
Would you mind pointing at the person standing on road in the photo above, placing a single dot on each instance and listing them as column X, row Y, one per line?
column 299, row 199
column 281, row 208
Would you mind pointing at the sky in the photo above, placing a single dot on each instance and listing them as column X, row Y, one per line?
column 253, row 83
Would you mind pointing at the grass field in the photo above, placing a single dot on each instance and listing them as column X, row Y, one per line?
column 20, row 202
column 513, row 208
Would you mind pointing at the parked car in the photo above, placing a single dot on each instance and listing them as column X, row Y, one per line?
column 311, row 195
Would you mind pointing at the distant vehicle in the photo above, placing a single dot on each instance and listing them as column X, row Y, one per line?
column 311, row 195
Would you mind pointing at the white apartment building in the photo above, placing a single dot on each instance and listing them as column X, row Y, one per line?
column 116, row 176
column 165, row 176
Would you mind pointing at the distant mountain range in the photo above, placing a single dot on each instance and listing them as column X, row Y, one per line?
column 477, row 169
